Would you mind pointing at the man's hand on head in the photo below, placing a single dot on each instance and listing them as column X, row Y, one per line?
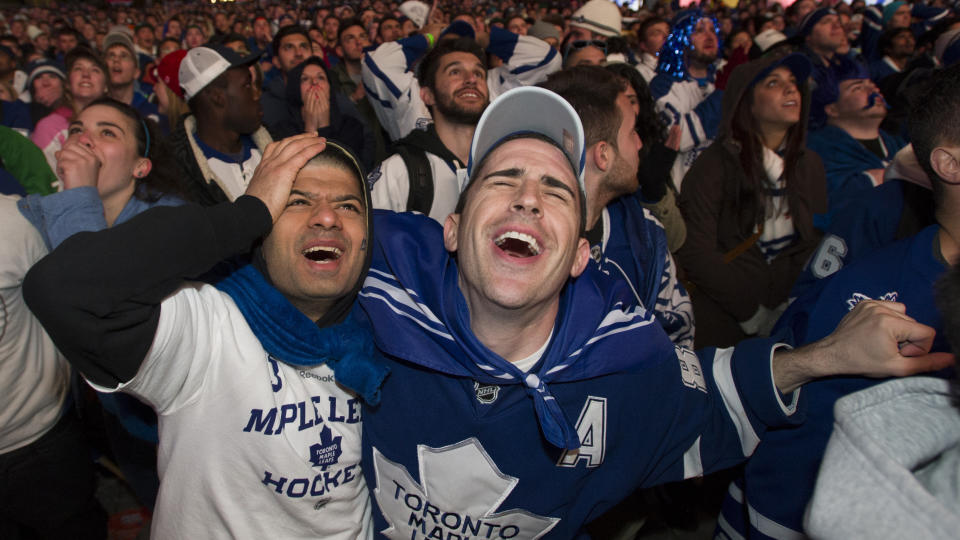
column 876, row 339
column 282, row 161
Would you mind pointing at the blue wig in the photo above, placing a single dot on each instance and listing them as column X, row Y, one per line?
column 672, row 58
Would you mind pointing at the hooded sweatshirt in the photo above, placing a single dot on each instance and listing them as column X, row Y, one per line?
column 258, row 405
column 344, row 128
column 465, row 443
column 892, row 466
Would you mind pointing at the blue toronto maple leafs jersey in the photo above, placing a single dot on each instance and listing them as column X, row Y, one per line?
column 865, row 224
column 450, row 452
column 635, row 247
column 769, row 500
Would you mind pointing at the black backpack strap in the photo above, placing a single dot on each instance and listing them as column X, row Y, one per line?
column 420, row 195
column 918, row 210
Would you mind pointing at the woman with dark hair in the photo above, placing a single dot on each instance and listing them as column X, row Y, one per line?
column 313, row 105
column 748, row 202
column 656, row 157
column 106, row 169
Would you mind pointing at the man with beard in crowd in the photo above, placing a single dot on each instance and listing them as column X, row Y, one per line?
column 453, row 88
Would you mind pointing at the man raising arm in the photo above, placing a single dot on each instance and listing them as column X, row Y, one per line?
column 256, row 380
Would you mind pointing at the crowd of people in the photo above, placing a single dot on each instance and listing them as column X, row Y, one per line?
column 374, row 268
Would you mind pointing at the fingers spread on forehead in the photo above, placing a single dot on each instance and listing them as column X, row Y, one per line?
column 293, row 147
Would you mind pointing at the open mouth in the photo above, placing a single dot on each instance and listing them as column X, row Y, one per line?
column 517, row 244
column 322, row 254
column 469, row 94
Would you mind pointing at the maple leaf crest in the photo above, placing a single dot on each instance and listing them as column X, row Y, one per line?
column 460, row 492
column 327, row 451
column 859, row 297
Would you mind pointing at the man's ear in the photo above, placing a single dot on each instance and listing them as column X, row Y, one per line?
column 945, row 164
column 602, row 155
column 426, row 95
column 831, row 110
column 142, row 168
column 581, row 258
column 218, row 97
column 450, row 228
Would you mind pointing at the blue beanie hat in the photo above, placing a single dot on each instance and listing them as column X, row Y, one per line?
column 827, row 81
column 811, row 19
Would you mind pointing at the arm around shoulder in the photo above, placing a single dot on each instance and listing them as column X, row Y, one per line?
column 98, row 294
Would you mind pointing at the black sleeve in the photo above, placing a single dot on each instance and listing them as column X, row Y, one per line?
column 654, row 172
column 98, row 294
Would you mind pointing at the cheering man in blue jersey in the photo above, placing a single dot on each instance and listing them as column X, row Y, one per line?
column 528, row 391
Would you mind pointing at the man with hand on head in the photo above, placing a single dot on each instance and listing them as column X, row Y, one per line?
column 533, row 353
column 256, row 376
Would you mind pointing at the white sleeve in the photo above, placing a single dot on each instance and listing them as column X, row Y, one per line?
column 678, row 107
column 527, row 61
column 392, row 87
column 390, row 185
column 190, row 333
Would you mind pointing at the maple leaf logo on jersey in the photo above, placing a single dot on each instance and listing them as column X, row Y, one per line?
column 461, row 488
column 327, row 451
column 858, row 297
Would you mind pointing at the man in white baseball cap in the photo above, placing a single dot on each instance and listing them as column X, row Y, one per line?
column 220, row 144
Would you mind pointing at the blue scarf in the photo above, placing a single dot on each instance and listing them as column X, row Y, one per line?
column 413, row 290
column 291, row 337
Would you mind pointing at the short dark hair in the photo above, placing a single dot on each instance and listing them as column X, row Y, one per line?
column 348, row 23
column 888, row 35
column 290, row 30
column 431, row 62
column 84, row 52
column 647, row 23
column 592, row 91
column 935, row 121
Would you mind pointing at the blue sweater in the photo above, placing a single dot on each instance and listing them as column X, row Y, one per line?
column 458, row 445
column 846, row 161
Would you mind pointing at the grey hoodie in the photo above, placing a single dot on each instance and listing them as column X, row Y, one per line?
column 892, row 466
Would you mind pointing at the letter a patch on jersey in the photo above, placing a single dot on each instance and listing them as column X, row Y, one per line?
column 592, row 431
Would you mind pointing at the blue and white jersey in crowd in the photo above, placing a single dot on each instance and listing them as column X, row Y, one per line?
column 846, row 161
column 393, row 89
column 769, row 500
column 694, row 105
column 863, row 226
column 634, row 247
column 465, row 443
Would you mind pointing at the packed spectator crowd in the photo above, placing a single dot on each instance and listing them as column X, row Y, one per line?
column 741, row 181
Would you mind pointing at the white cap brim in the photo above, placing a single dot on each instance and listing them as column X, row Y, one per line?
column 530, row 109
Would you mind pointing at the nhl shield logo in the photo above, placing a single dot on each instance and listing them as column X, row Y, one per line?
column 596, row 253
column 486, row 393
